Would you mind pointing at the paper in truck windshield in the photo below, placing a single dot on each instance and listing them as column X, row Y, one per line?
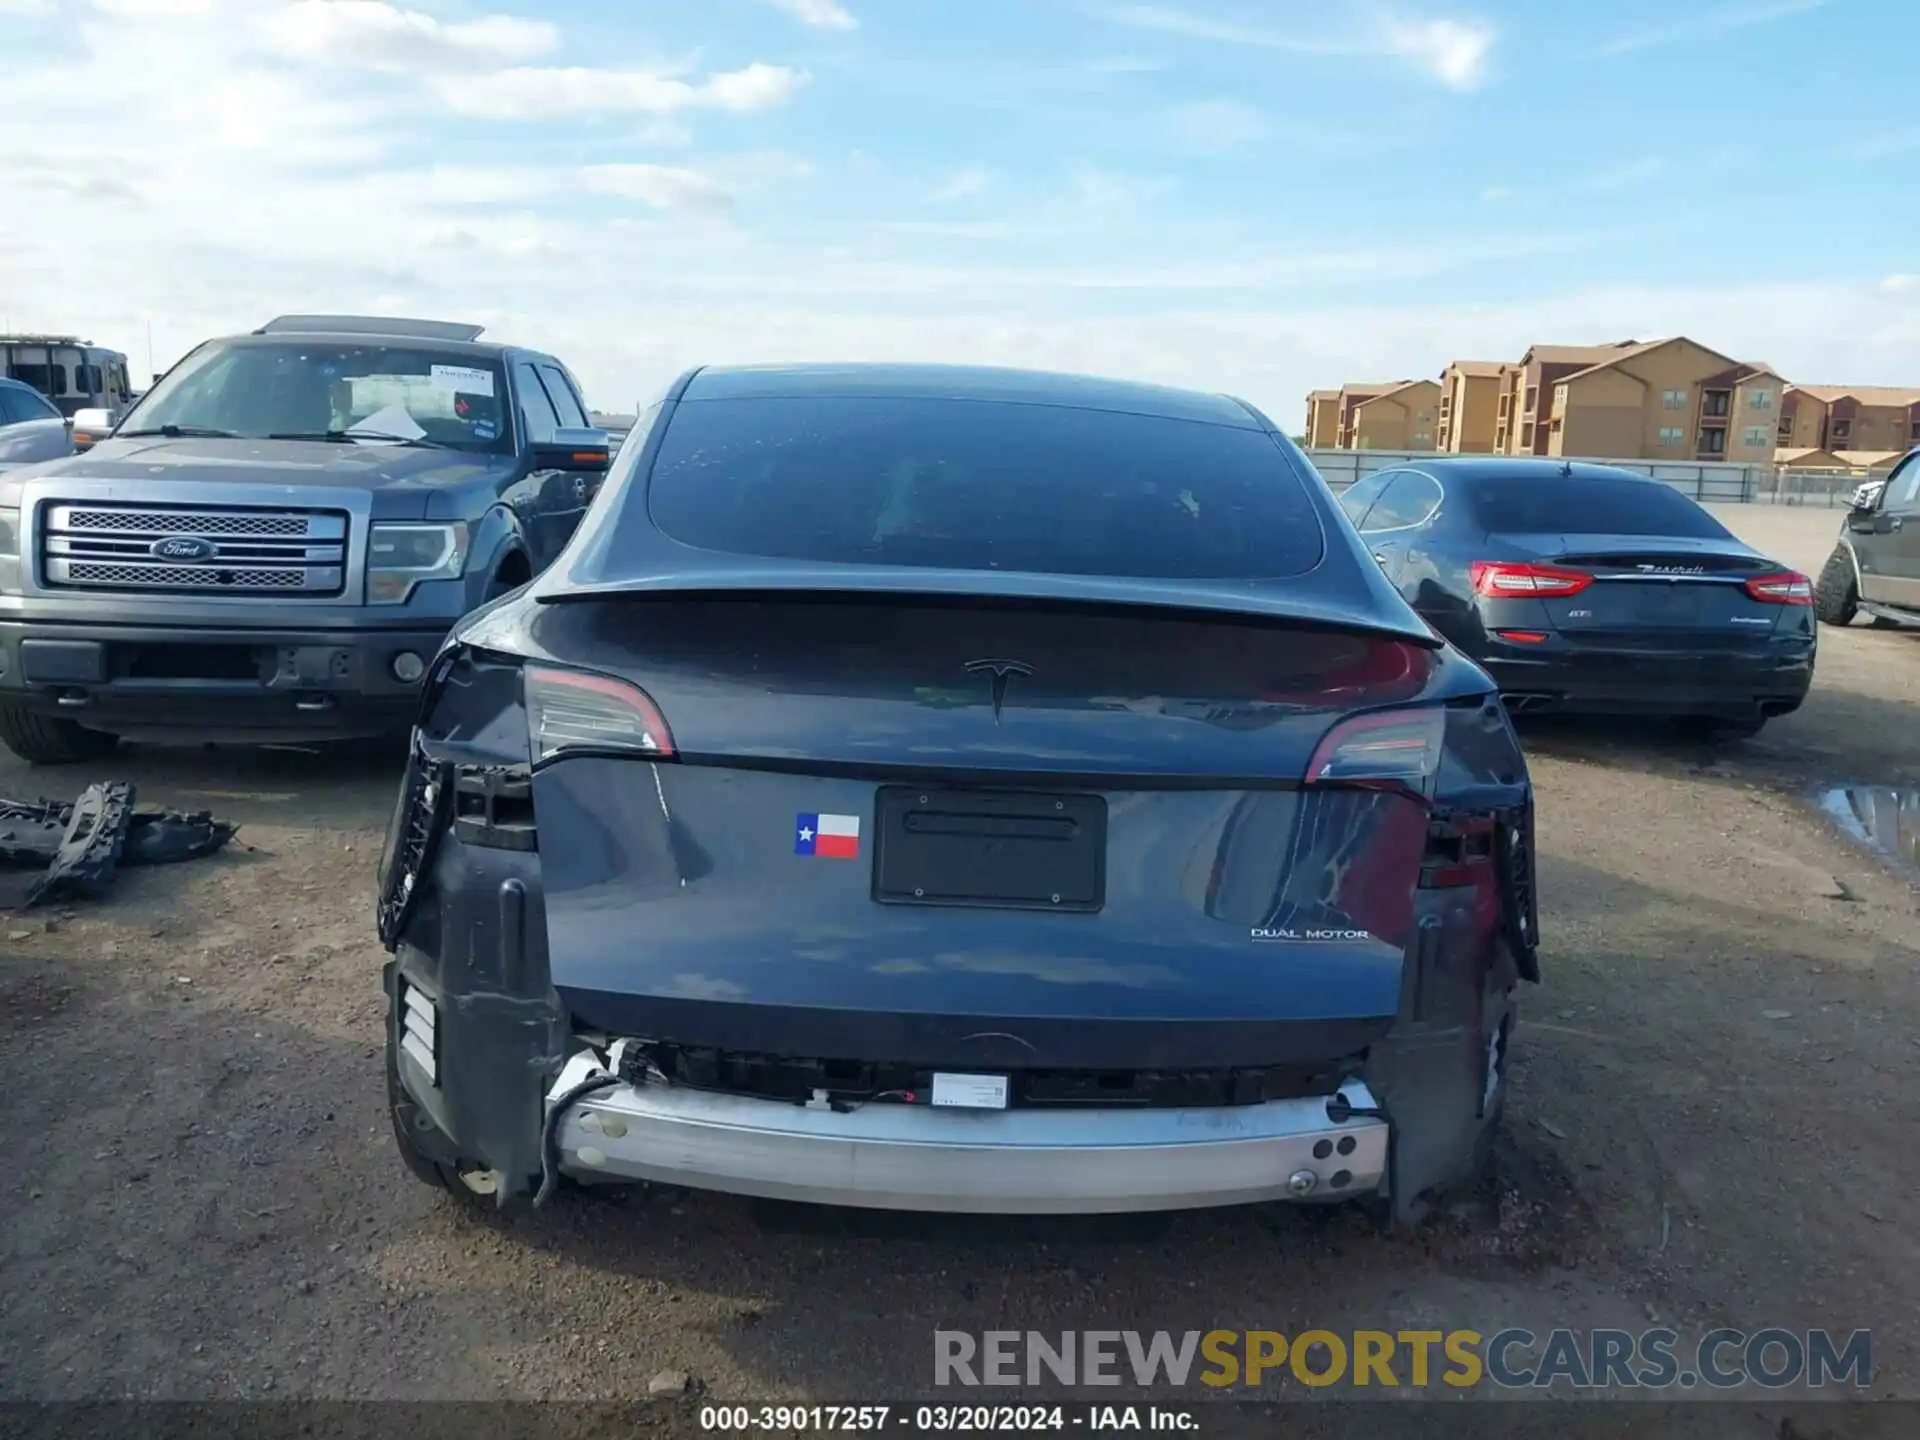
column 394, row 421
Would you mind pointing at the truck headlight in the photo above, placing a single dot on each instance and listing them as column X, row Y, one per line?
column 9, row 533
column 399, row 557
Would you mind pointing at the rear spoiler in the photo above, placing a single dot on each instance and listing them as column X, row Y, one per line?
column 1276, row 600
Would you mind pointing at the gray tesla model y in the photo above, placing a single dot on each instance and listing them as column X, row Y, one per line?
column 957, row 789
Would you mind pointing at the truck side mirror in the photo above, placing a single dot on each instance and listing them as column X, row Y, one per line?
column 91, row 426
column 574, row 449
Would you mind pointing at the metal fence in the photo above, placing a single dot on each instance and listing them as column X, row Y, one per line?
column 1828, row 488
column 1706, row 481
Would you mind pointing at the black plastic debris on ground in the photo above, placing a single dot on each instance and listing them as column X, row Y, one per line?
column 84, row 841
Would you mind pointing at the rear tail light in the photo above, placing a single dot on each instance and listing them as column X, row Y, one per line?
column 1399, row 748
column 1501, row 580
column 576, row 712
column 1784, row 587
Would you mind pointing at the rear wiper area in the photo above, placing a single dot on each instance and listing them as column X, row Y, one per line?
column 181, row 432
column 351, row 433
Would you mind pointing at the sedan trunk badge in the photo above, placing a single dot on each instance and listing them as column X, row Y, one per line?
column 1001, row 671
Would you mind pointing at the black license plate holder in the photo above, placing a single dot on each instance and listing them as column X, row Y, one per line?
column 992, row 849
column 1659, row 602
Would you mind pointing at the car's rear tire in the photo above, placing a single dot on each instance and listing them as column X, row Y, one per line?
column 1836, row 594
column 50, row 739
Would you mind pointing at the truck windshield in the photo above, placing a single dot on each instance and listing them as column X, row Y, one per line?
column 332, row 390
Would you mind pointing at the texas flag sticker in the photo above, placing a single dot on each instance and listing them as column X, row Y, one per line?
column 833, row 837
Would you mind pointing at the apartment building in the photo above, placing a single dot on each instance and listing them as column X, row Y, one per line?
column 1520, row 419
column 1849, row 417
column 1665, row 400
column 1400, row 418
column 1469, row 406
column 1330, row 413
column 1672, row 399
column 1323, row 419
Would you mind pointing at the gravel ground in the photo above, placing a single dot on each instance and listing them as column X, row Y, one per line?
column 1715, row 1099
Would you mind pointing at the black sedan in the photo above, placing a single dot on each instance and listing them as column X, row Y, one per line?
column 953, row 789
column 1586, row 588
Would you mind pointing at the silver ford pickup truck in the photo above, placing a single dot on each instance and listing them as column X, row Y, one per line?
column 272, row 543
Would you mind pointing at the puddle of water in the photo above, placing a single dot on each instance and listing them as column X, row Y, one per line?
column 1883, row 816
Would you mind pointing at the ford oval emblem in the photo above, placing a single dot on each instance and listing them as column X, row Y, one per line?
column 183, row 547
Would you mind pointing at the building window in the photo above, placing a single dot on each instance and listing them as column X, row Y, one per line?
column 1841, row 428
column 1671, row 434
column 1715, row 403
column 1421, row 437
column 1755, row 435
column 1673, row 399
column 1760, row 399
column 1533, row 398
column 1526, row 433
column 1713, row 442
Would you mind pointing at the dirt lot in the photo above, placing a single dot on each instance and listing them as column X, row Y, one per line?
column 1714, row 1121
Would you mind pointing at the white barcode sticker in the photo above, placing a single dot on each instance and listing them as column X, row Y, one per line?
column 462, row 379
column 971, row 1092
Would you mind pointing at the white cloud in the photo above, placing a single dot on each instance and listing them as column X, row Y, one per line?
column 1711, row 22
column 372, row 33
column 1901, row 284
column 961, row 185
column 1452, row 50
column 1218, row 124
column 26, row 7
column 667, row 187
column 545, row 92
column 820, row 14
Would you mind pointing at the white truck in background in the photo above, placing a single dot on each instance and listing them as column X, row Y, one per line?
column 73, row 374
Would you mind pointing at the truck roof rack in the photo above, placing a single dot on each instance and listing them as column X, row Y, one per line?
column 45, row 340
column 369, row 325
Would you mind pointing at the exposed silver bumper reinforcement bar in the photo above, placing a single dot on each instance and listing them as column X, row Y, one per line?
column 913, row 1157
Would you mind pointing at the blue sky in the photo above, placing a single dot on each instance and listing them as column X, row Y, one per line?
column 1257, row 197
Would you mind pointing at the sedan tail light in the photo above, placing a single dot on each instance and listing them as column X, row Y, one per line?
column 1399, row 748
column 580, row 713
column 1783, row 587
column 1506, row 580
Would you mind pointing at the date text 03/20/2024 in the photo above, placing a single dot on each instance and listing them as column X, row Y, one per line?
column 938, row 1419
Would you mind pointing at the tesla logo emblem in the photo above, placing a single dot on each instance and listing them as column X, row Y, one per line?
column 1001, row 671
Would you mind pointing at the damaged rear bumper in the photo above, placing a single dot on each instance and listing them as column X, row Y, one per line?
column 914, row 1157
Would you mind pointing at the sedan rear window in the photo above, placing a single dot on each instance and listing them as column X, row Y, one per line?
column 981, row 485
column 1588, row 505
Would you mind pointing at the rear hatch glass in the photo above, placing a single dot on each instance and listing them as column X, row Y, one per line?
column 982, row 485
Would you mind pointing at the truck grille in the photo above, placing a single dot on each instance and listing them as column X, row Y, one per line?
column 239, row 552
